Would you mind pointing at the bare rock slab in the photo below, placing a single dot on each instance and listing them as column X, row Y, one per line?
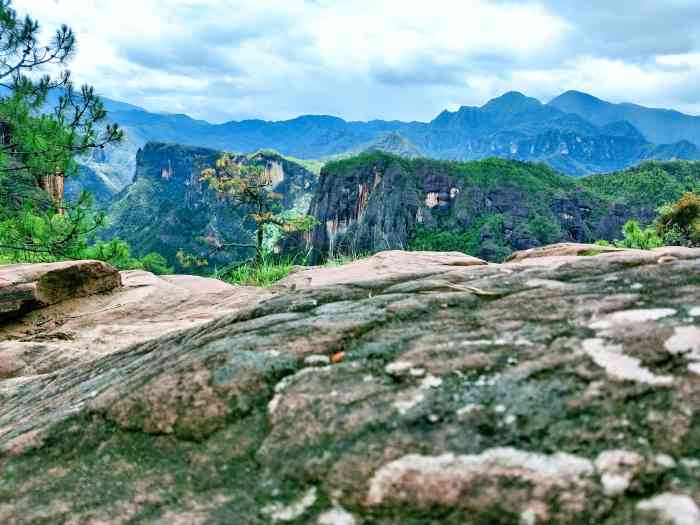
column 562, row 390
column 392, row 265
column 25, row 287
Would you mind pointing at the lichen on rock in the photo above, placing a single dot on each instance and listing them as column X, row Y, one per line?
column 531, row 403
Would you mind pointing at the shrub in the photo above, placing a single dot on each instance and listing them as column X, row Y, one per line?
column 639, row 238
column 679, row 223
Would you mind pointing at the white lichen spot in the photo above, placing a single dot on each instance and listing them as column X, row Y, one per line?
column 317, row 360
column 412, row 473
column 545, row 283
column 617, row 468
column 416, row 396
column 510, row 419
column 665, row 461
column 469, row 409
column 637, row 286
column 398, row 368
column 431, row 382
column 679, row 509
column 405, row 404
column 529, row 517
column 690, row 463
column 293, row 511
column 626, row 317
column 500, row 409
column 274, row 404
column 417, row 372
column 336, row 516
column 694, row 311
column 287, row 381
column 685, row 340
column 620, row 366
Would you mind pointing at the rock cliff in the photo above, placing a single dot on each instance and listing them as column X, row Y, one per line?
column 487, row 208
column 168, row 208
column 552, row 390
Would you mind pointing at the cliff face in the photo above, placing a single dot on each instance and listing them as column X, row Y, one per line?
column 167, row 208
column 487, row 208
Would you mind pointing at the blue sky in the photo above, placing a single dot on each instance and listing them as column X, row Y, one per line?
column 361, row 59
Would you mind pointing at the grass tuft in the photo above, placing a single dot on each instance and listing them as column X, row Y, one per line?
column 264, row 274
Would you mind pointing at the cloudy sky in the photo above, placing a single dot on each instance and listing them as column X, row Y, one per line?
column 393, row 59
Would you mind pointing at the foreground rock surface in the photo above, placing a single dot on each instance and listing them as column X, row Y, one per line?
column 26, row 287
column 557, row 389
column 81, row 329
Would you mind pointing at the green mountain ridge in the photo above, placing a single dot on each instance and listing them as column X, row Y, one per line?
column 576, row 139
column 486, row 208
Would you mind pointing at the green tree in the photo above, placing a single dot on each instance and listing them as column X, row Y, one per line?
column 38, row 146
column 639, row 238
column 252, row 187
column 679, row 222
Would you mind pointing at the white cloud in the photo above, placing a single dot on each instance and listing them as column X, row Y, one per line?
column 360, row 59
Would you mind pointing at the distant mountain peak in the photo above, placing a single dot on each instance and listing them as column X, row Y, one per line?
column 576, row 99
column 512, row 100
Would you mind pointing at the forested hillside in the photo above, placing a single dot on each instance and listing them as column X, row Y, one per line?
column 486, row 208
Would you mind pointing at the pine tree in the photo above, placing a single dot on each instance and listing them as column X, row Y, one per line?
column 38, row 145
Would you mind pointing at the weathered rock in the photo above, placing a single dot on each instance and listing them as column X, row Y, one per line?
column 393, row 265
column 81, row 329
column 25, row 287
column 562, row 249
column 557, row 391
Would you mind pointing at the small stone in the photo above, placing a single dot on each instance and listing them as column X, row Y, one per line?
column 433, row 418
column 500, row 409
column 510, row 419
column 417, row 372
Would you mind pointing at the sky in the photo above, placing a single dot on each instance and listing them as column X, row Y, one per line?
column 223, row 60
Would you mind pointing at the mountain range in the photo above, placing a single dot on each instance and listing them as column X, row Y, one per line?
column 575, row 134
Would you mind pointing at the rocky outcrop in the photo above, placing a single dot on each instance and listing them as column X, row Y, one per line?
column 552, row 390
column 168, row 208
column 25, row 287
column 487, row 208
column 86, row 325
column 380, row 202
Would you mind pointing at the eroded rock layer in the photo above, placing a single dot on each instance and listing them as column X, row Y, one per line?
column 556, row 389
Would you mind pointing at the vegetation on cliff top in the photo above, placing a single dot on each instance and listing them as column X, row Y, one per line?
column 507, row 205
